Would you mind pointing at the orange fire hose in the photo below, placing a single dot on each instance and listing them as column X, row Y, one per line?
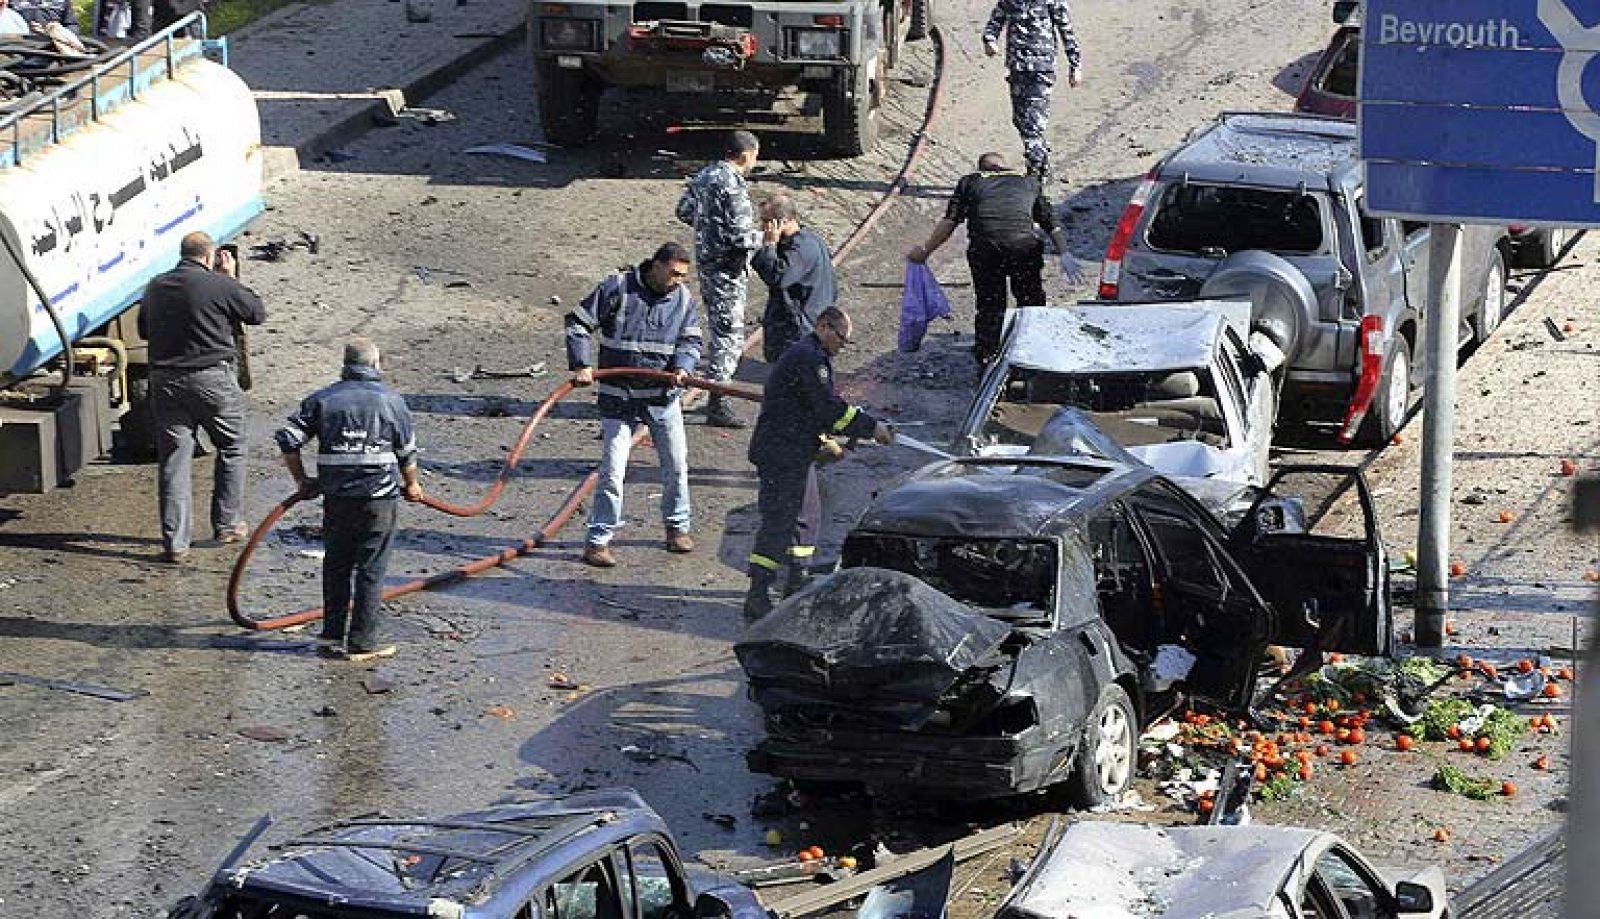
column 583, row 489
column 544, row 534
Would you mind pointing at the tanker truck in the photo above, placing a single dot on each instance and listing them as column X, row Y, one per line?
column 101, row 174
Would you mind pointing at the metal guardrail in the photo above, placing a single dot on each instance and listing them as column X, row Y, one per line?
column 1528, row 886
column 137, row 78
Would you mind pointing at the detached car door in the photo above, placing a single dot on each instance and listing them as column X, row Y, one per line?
column 1312, row 548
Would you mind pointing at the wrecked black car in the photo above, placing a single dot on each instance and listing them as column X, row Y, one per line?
column 1005, row 625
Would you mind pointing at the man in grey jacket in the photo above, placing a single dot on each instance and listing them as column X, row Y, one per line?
column 795, row 264
column 644, row 318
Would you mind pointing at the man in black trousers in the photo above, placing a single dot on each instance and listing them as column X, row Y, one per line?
column 366, row 461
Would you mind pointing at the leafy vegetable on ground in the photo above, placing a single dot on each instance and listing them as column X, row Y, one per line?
column 1455, row 781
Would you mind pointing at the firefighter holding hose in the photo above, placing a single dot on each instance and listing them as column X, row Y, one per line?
column 366, row 461
column 800, row 414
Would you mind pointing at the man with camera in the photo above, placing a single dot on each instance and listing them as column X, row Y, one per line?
column 188, row 317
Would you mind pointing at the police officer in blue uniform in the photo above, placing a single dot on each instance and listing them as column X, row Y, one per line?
column 1031, row 28
column 800, row 413
column 366, row 461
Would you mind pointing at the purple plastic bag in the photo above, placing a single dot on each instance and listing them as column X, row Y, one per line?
column 922, row 302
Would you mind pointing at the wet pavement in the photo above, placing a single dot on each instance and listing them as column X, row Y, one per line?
column 117, row 808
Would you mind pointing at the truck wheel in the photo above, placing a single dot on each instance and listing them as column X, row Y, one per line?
column 569, row 104
column 135, row 439
column 1103, row 769
column 1493, row 308
column 850, row 113
column 1394, row 396
column 921, row 20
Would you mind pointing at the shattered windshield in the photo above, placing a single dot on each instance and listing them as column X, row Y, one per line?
column 1134, row 409
column 1193, row 217
column 1011, row 579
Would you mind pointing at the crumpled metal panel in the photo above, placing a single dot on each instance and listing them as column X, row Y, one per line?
column 880, row 639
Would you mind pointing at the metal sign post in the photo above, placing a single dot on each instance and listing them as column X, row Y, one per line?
column 1442, row 319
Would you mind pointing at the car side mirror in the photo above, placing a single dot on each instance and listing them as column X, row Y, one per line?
column 1411, row 897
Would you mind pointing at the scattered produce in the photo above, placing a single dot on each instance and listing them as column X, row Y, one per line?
column 1455, row 781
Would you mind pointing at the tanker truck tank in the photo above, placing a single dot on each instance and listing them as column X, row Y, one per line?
column 99, row 180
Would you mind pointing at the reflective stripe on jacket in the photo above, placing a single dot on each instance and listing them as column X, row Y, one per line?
column 363, row 434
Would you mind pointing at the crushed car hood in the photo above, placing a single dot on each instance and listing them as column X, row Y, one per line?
column 878, row 639
column 1123, row 871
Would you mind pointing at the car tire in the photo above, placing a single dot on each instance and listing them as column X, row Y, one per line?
column 1393, row 399
column 1107, row 753
column 850, row 113
column 1492, row 306
column 1542, row 248
column 569, row 104
column 921, row 20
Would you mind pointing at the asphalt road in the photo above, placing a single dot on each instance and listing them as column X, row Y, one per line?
column 452, row 262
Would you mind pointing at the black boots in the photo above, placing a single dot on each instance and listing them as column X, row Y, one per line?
column 758, row 599
column 720, row 414
column 796, row 578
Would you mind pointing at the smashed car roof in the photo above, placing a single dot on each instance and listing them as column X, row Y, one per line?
column 404, row 864
column 1192, row 872
column 1125, row 338
column 1269, row 149
column 999, row 497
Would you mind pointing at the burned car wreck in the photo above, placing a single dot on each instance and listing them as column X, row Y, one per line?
column 1006, row 625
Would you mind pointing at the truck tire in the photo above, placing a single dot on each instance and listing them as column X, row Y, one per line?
column 921, row 20
column 1492, row 308
column 1107, row 753
column 850, row 113
column 569, row 104
column 135, row 437
column 1393, row 399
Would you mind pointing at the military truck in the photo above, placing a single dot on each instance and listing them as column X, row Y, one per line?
column 773, row 60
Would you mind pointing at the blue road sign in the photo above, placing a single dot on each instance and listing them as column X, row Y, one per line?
column 1480, row 111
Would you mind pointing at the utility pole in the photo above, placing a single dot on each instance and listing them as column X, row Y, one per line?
column 1443, row 310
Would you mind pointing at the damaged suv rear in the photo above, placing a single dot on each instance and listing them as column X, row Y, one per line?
column 1004, row 625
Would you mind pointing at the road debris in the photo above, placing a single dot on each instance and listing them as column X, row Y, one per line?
column 511, row 151
column 265, row 733
column 500, row 711
column 480, row 372
column 8, row 678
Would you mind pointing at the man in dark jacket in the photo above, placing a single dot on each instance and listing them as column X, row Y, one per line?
column 151, row 16
column 1000, row 208
column 645, row 318
column 366, row 461
column 795, row 264
column 800, row 412
column 188, row 317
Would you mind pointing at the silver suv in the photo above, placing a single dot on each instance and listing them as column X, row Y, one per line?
column 1270, row 207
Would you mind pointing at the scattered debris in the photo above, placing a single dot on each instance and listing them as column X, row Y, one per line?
column 326, row 711
column 265, row 733
column 726, row 821
column 481, row 372
column 273, row 250
column 83, row 689
column 560, row 680
column 499, row 711
column 1555, row 333
column 513, row 151
column 377, row 685
column 1455, row 781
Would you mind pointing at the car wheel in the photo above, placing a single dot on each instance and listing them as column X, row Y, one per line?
column 1493, row 307
column 1393, row 399
column 1107, row 752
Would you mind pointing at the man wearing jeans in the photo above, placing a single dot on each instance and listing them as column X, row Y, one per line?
column 366, row 461
column 645, row 317
column 188, row 317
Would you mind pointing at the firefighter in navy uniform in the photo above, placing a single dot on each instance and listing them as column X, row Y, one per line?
column 800, row 413
column 366, row 461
